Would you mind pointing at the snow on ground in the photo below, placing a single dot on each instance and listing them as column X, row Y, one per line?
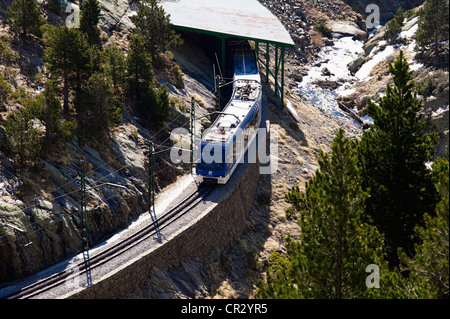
column 364, row 72
column 336, row 59
column 439, row 111
column 367, row 119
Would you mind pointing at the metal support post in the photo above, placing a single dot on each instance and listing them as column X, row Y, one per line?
column 267, row 61
column 223, row 45
column 151, row 179
column 218, row 86
column 282, row 78
column 151, row 188
column 84, row 233
column 191, row 124
column 277, row 65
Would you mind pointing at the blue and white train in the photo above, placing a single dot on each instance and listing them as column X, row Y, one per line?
column 224, row 144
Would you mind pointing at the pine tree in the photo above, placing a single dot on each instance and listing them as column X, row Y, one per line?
column 393, row 153
column 99, row 109
column 48, row 110
column 335, row 247
column 22, row 140
column 90, row 13
column 429, row 269
column 139, row 69
column 5, row 91
column 24, row 18
column 153, row 27
column 394, row 27
column 156, row 105
column 66, row 53
column 433, row 24
column 114, row 66
column 54, row 6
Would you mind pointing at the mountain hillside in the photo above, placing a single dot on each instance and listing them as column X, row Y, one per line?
column 329, row 76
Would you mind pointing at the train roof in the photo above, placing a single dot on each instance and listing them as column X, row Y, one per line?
column 236, row 110
column 245, row 19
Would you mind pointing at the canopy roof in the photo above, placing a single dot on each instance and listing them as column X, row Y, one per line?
column 246, row 19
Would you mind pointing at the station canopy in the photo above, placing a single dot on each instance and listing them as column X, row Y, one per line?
column 246, row 19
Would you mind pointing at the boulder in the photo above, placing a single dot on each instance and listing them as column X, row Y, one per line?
column 326, row 72
column 114, row 14
column 354, row 66
column 347, row 29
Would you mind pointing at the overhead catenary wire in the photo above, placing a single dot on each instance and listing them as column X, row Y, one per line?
column 26, row 205
column 96, row 169
column 40, row 228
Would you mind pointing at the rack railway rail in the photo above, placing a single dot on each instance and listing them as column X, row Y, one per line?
column 86, row 266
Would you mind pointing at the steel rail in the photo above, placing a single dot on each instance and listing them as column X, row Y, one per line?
column 117, row 249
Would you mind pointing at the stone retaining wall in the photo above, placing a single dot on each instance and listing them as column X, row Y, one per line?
column 216, row 227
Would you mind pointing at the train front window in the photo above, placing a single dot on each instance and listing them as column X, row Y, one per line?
column 211, row 166
column 212, row 158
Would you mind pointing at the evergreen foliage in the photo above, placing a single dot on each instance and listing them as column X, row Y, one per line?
column 335, row 246
column 5, row 91
column 324, row 29
column 156, row 106
column 54, row 6
column 394, row 27
column 22, row 140
column 114, row 66
column 433, row 25
column 429, row 269
column 67, row 56
column 139, row 69
column 98, row 108
column 152, row 103
column 90, row 13
column 48, row 111
column 24, row 18
column 392, row 154
column 154, row 28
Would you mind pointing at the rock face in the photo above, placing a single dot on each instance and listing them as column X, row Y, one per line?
column 347, row 29
column 387, row 7
column 44, row 225
column 294, row 18
column 115, row 14
column 438, row 120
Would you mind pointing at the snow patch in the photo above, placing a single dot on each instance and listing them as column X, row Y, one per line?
column 439, row 111
column 367, row 119
column 336, row 59
column 364, row 72
column 409, row 33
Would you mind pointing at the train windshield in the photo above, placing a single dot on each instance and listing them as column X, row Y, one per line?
column 212, row 158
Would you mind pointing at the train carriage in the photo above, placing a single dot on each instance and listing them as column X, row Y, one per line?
column 224, row 144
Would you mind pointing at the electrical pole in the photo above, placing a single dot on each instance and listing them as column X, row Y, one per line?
column 151, row 188
column 192, row 128
column 84, row 233
column 218, row 86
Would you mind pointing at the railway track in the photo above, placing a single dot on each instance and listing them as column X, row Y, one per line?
column 86, row 266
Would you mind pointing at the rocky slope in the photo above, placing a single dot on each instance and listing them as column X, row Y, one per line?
column 39, row 209
column 303, row 129
column 40, row 212
column 387, row 7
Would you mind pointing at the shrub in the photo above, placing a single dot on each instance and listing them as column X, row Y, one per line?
column 5, row 91
column 323, row 28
